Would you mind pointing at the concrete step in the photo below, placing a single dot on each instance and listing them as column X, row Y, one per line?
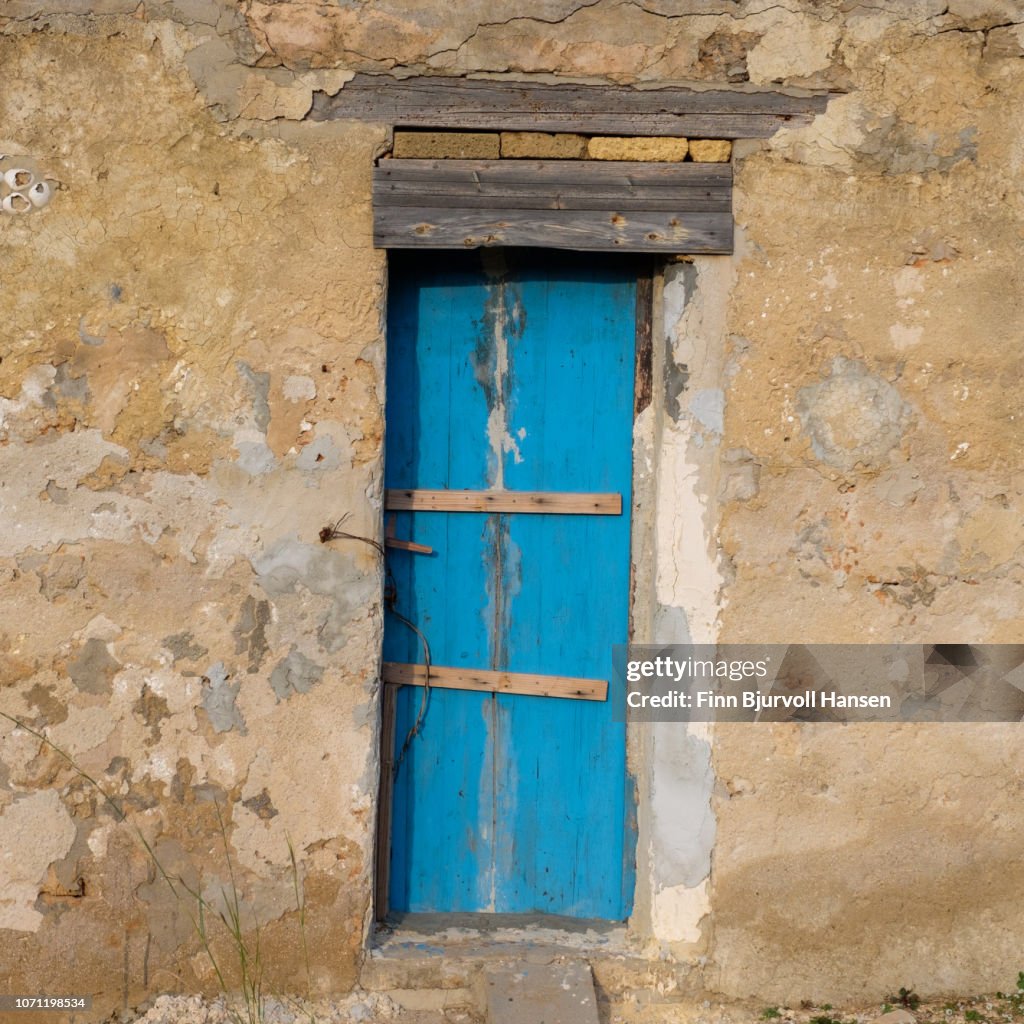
column 446, row 968
column 561, row 993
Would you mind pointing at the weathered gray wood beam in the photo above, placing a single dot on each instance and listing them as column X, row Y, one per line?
column 559, row 204
column 486, row 105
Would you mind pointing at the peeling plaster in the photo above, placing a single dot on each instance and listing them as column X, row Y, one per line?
column 707, row 406
column 683, row 830
column 254, row 456
column 295, row 674
column 93, row 669
column 678, row 826
column 678, row 911
column 219, row 698
column 37, row 832
column 83, row 730
column 319, row 455
column 687, row 574
column 853, row 416
column 290, row 564
column 161, row 422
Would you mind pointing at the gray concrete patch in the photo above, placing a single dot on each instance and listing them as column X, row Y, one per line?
column 295, row 674
column 853, row 416
column 260, row 383
column 541, row 994
column 93, row 670
column 219, row 700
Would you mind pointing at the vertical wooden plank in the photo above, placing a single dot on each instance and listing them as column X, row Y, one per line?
column 643, row 386
column 382, row 845
column 643, row 374
column 437, row 420
column 567, row 577
column 643, row 389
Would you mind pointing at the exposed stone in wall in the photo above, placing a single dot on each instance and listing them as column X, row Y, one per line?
column 448, row 145
column 710, row 150
column 654, row 149
column 543, row 146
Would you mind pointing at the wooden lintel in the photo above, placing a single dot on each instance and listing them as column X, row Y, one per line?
column 579, row 230
column 618, row 206
column 525, row 683
column 635, row 178
column 491, row 105
column 556, row 502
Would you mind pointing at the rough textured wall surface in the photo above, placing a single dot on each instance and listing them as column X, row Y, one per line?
column 874, row 354
column 191, row 388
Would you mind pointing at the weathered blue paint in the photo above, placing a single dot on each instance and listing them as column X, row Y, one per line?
column 513, row 371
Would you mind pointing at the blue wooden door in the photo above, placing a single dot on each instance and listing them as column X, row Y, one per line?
column 511, row 371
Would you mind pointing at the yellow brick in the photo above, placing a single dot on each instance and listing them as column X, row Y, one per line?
column 543, row 146
column 603, row 147
column 447, row 145
column 711, row 151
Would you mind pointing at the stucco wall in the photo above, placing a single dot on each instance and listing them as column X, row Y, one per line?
column 873, row 340
column 191, row 388
column 191, row 381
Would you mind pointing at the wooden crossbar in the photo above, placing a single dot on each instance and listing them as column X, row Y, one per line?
column 503, row 501
column 407, row 545
column 525, row 683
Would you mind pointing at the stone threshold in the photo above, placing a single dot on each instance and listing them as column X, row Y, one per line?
column 441, row 961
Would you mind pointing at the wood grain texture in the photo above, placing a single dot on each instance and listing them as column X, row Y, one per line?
column 643, row 385
column 503, row 501
column 568, row 204
column 478, row 104
column 563, row 185
column 582, row 230
column 407, row 545
column 385, row 791
column 616, row 174
column 484, row 681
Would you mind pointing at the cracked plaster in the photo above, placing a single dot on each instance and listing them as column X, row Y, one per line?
column 151, row 489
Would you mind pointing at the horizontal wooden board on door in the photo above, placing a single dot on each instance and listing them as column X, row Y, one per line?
column 487, row 681
column 557, row 502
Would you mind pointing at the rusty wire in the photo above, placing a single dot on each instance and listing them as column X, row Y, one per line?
column 335, row 532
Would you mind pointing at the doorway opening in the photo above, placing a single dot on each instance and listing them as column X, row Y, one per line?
column 513, row 379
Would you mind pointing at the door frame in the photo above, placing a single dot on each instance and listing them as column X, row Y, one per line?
column 648, row 270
